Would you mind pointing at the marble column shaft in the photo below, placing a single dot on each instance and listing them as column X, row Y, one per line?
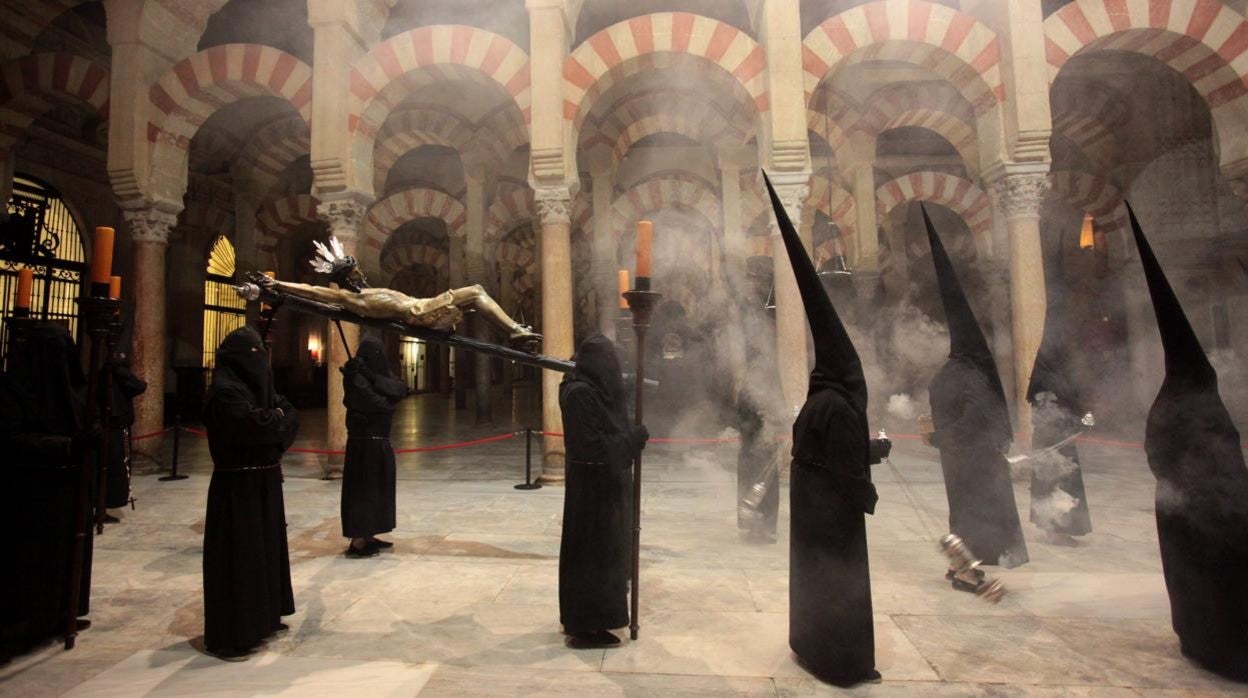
column 605, row 271
column 554, row 206
column 1019, row 197
column 343, row 218
column 735, row 247
column 474, row 261
column 790, row 312
column 867, row 245
column 149, row 228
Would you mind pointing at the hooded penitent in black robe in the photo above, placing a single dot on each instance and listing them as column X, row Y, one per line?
column 597, row 502
column 246, row 562
column 830, row 623
column 42, row 439
column 1202, row 491
column 1058, row 500
column 973, row 431
column 370, row 393
column 123, row 388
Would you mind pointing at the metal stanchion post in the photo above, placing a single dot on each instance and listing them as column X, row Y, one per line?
column 177, row 434
column 528, row 463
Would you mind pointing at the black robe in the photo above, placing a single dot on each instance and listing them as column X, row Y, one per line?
column 594, row 558
column 41, row 411
column 972, row 443
column 830, row 619
column 1194, row 451
column 123, row 388
column 371, row 394
column 246, row 561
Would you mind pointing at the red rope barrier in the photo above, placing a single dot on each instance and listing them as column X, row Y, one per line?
column 418, row 449
column 153, row 434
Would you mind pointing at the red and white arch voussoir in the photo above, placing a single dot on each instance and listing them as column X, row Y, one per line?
column 371, row 98
column 412, row 128
column 194, row 89
column 959, row 195
column 587, row 71
column 509, row 210
column 401, row 257
column 956, row 45
column 1091, row 194
column 932, row 106
column 832, row 199
column 1204, row 40
column 277, row 218
column 385, row 216
column 27, row 83
column 663, row 192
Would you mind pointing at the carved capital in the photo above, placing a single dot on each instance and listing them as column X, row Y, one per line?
column 793, row 198
column 150, row 224
column 1020, row 195
column 554, row 205
column 343, row 216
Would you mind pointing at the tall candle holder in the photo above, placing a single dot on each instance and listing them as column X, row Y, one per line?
column 101, row 316
column 641, row 303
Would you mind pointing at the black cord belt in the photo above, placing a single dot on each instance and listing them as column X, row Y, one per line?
column 578, row 461
column 368, row 438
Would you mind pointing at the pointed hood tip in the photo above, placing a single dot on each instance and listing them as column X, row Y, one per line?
column 837, row 364
column 1185, row 357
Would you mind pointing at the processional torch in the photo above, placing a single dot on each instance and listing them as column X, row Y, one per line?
column 101, row 315
column 641, row 302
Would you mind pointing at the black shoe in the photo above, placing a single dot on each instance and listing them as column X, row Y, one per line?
column 596, row 639
column 280, row 628
column 110, row 519
column 228, row 654
column 379, row 543
column 368, row 550
column 82, row 623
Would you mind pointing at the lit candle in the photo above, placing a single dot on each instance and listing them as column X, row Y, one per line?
column 114, row 287
column 623, row 288
column 645, row 240
column 102, row 256
column 25, row 282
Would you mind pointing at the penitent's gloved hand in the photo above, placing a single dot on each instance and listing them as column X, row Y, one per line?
column 640, row 436
column 878, row 450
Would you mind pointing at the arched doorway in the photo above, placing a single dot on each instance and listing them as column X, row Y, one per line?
column 41, row 233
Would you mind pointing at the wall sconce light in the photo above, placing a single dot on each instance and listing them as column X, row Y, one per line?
column 314, row 349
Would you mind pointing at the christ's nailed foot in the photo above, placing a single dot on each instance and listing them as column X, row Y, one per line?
column 523, row 337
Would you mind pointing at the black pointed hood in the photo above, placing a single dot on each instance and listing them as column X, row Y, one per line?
column 837, row 366
column 966, row 340
column 1186, row 361
column 1053, row 370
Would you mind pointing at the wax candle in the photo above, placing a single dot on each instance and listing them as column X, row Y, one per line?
column 645, row 238
column 102, row 256
column 623, row 288
column 25, row 282
column 114, row 287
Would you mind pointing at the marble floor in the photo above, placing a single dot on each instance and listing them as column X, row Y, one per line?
column 466, row 603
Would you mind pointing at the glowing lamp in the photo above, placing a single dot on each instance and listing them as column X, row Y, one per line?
column 1087, row 235
column 314, row 348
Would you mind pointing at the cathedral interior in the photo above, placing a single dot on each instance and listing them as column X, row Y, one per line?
column 516, row 144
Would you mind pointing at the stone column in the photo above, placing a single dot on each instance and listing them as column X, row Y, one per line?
column 867, row 245
column 343, row 217
column 149, row 228
column 735, row 246
column 1018, row 196
column 506, row 298
column 474, row 263
column 790, row 312
column 459, row 279
column 554, row 207
column 605, row 268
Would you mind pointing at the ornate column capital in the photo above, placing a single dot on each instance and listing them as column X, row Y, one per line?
column 1019, row 195
column 150, row 224
column 343, row 215
column 554, row 205
column 793, row 190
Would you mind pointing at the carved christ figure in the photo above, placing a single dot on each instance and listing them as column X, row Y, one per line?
column 442, row 312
